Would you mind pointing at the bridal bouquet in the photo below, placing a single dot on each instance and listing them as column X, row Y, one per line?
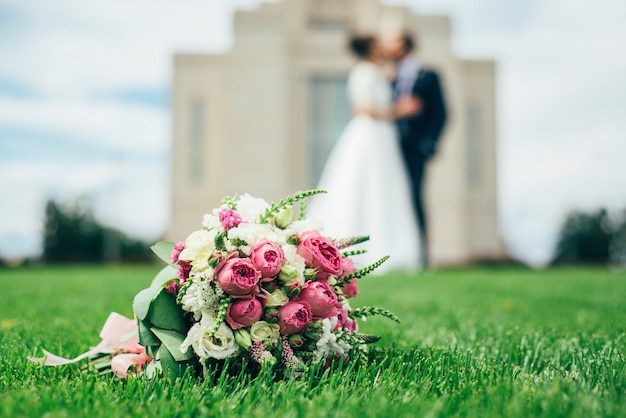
column 256, row 285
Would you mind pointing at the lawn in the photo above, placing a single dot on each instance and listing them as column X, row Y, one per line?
column 472, row 343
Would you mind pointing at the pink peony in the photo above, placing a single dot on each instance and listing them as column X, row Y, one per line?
column 320, row 296
column 244, row 312
column 351, row 289
column 343, row 320
column 350, row 326
column 347, row 266
column 229, row 218
column 294, row 316
column 319, row 252
column 268, row 258
column 238, row 276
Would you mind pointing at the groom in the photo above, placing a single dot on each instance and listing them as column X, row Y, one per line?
column 419, row 132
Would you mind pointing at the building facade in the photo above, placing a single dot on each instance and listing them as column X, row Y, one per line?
column 263, row 117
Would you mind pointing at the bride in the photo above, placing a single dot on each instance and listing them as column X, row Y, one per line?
column 368, row 188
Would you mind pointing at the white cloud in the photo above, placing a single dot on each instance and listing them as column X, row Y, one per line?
column 69, row 47
column 117, row 126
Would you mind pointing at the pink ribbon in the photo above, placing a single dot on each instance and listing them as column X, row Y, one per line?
column 119, row 336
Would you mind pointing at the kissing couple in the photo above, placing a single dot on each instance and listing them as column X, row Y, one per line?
column 375, row 172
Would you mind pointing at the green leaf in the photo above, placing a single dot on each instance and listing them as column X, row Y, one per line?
column 153, row 351
column 146, row 337
column 166, row 274
column 141, row 303
column 172, row 340
column 170, row 366
column 173, row 368
column 143, row 299
column 166, row 314
column 163, row 250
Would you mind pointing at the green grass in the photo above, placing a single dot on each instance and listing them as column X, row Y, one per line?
column 473, row 343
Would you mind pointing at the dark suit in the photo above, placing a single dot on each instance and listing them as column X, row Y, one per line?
column 419, row 136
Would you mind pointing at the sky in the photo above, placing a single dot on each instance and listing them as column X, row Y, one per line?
column 84, row 107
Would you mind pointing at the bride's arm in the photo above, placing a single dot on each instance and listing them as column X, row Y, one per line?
column 373, row 113
column 406, row 107
column 362, row 86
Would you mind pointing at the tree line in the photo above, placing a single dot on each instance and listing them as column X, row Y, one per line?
column 592, row 237
column 73, row 234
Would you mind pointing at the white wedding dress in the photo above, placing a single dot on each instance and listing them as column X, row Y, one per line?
column 368, row 188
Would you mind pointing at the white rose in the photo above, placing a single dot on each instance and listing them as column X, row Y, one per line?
column 305, row 225
column 264, row 331
column 211, row 221
column 220, row 346
column 253, row 233
column 250, row 208
column 277, row 298
column 200, row 262
column 200, row 241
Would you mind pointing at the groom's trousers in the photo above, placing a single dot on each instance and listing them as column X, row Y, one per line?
column 416, row 165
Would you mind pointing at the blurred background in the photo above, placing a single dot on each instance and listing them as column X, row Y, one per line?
column 127, row 120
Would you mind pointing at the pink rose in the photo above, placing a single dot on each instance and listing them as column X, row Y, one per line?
column 350, row 326
column 320, row 296
column 268, row 258
column 244, row 312
column 294, row 316
column 347, row 266
column 351, row 289
column 343, row 320
column 229, row 218
column 238, row 276
column 319, row 252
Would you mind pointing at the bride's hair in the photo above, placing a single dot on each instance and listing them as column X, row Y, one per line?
column 361, row 45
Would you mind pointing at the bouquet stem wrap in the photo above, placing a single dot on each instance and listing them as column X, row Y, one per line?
column 119, row 338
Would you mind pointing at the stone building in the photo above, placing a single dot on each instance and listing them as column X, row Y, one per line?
column 262, row 118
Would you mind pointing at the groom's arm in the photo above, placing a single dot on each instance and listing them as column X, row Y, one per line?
column 435, row 113
column 439, row 112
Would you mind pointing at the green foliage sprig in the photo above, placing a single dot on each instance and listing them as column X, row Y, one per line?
column 220, row 241
column 342, row 243
column 302, row 212
column 230, row 201
column 221, row 314
column 182, row 291
column 373, row 311
column 366, row 338
column 296, row 197
column 353, row 252
column 364, row 271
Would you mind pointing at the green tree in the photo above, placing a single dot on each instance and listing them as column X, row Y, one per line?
column 72, row 234
column 584, row 238
column 617, row 249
